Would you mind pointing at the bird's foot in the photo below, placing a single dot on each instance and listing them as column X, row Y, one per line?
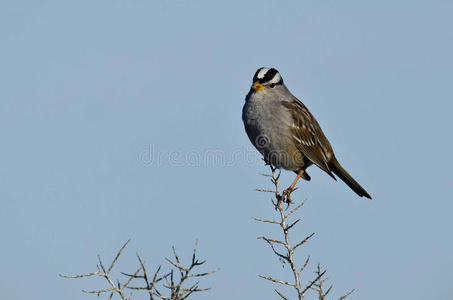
column 286, row 196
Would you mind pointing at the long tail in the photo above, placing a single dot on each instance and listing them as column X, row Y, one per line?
column 335, row 166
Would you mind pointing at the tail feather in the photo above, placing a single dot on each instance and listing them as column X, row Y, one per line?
column 336, row 168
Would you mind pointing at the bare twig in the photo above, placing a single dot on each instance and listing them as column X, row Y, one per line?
column 318, row 286
column 117, row 256
column 318, row 278
column 114, row 288
column 176, row 288
column 284, row 249
column 346, row 295
column 286, row 226
column 277, row 281
column 281, row 295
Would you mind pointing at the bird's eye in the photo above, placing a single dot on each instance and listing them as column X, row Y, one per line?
column 272, row 85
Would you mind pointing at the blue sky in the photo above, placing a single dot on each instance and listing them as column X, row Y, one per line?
column 111, row 113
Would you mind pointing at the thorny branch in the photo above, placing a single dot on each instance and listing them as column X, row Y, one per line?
column 284, row 249
column 318, row 286
column 178, row 286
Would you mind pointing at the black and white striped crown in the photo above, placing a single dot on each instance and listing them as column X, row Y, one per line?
column 267, row 75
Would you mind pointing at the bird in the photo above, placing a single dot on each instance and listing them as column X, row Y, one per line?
column 285, row 132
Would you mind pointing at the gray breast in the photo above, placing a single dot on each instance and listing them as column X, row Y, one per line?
column 267, row 124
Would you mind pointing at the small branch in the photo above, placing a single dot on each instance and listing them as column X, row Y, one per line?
column 284, row 249
column 78, row 276
column 285, row 244
column 295, row 209
column 303, row 241
column 176, row 288
column 285, row 257
column 346, row 295
column 265, row 191
column 271, row 240
column 313, row 282
column 318, row 285
column 292, row 224
column 266, row 221
column 277, row 281
column 280, row 294
column 99, row 291
column 117, row 256
column 305, row 264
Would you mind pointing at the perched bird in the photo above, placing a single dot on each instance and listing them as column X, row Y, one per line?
column 286, row 133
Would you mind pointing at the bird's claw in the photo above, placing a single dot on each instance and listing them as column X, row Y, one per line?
column 286, row 196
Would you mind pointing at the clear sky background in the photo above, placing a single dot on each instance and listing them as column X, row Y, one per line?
column 110, row 112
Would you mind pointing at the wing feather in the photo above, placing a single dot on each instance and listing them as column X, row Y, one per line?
column 308, row 136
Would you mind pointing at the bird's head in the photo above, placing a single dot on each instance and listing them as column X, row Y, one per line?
column 266, row 78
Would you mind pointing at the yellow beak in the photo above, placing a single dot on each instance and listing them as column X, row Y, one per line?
column 257, row 86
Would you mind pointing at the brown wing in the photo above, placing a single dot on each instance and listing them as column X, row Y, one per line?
column 308, row 136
